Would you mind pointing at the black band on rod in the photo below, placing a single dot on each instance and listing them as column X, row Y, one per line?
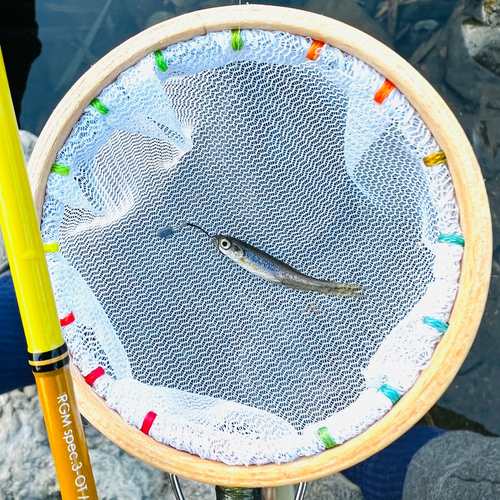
column 44, row 356
column 43, row 362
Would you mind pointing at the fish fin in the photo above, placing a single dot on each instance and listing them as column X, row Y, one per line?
column 326, row 287
column 345, row 290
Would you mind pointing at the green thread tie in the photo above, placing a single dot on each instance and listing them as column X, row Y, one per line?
column 236, row 40
column 60, row 169
column 452, row 239
column 160, row 61
column 100, row 106
column 440, row 326
column 51, row 247
column 390, row 393
column 326, row 437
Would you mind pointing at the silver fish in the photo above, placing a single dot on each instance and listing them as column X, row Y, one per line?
column 273, row 270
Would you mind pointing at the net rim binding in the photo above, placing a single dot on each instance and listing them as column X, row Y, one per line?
column 474, row 215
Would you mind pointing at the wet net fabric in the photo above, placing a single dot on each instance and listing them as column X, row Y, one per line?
column 294, row 157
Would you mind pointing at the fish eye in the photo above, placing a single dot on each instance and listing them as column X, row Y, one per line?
column 225, row 244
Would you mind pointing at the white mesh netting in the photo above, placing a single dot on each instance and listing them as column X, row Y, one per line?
column 294, row 157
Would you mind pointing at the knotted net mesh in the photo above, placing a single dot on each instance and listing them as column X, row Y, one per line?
column 294, row 157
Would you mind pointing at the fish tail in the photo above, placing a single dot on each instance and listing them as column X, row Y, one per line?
column 343, row 289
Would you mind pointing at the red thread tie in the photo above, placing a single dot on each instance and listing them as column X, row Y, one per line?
column 94, row 375
column 382, row 93
column 314, row 50
column 148, row 422
column 67, row 320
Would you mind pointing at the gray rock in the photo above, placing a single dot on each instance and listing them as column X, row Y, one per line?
column 336, row 487
column 28, row 141
column 485, row 139
column 483, row 44
column 456, row 466
column 491, row 12
column 485, row 11
column 473, row 62
column 4, row 262
column 27, row 468
column 26, row 465
column 350, row 13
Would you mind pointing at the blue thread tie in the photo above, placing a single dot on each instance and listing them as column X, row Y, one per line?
column 452, row 239
column 439, row 325
column 390, row 393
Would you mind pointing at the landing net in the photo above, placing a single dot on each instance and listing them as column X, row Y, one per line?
column 299, row 150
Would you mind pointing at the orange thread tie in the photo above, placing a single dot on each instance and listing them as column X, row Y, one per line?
column 148, row 422
column 382, row 93
column 94, row 375
column 67, row 320
column 314, row 50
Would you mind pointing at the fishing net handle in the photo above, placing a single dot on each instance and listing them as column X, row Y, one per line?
column 474, row 217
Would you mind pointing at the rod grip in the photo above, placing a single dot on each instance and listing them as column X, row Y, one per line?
column 66, row 436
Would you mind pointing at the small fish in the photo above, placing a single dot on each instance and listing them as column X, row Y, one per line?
column 273, row 270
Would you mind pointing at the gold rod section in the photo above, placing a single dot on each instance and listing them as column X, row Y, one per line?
column 66, row 435
column 38, row 311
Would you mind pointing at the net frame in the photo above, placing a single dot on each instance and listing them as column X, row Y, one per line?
column 469, row 192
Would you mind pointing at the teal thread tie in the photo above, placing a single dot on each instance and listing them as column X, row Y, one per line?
column 100, row 106
column 160, row 61
column 440, row 326
column 452, row 239
column 236, row 40
column 326, row 437
column 390, row 393
column 60, row 169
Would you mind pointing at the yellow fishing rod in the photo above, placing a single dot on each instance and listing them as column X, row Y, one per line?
column 47, row 351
